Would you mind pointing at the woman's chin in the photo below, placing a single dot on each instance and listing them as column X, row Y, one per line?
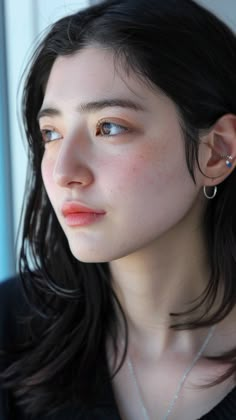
column 89, row 256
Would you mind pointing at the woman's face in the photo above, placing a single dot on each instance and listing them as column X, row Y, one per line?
column 114, row 146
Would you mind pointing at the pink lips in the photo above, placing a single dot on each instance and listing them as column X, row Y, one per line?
column 78, row 215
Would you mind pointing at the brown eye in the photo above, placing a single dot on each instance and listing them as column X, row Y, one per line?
column 106, row 128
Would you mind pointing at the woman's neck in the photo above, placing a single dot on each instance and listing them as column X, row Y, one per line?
column 163, row 278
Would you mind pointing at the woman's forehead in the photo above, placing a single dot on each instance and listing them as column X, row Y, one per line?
column 91, row 74
column 90, row 69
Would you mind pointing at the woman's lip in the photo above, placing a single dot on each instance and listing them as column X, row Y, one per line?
column 82, row 218
column 70, row 208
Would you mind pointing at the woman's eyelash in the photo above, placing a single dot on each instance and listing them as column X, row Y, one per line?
column 109, row 128
column 47, row 135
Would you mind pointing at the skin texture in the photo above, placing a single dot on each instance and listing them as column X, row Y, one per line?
column 151, row 234
column 138, row 177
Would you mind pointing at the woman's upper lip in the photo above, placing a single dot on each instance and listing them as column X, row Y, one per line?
column 70, row 207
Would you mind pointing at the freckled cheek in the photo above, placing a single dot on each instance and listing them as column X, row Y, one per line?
column 149, row 172
column 127, row 174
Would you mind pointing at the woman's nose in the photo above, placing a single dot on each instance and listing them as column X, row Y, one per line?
column 72, row 164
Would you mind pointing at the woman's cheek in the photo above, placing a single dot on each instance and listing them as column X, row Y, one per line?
column 47, row 168
column 128, row 175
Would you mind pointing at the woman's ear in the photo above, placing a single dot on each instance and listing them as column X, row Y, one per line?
column 220, row 156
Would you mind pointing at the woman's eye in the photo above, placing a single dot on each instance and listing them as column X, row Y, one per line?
column 50, row 135
column 105, row 128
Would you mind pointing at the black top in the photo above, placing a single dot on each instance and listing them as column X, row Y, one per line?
column 11, row 305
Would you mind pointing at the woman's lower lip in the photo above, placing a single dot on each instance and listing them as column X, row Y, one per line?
column 82, row 219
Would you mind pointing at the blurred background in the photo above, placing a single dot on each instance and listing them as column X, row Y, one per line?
column 20, row 24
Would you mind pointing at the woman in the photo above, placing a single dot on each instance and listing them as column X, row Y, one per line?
column 128, row 257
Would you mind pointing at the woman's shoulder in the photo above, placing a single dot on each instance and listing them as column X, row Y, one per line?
column 13, row 306
column 11, row 288
column 11, row 291
column 225, row 409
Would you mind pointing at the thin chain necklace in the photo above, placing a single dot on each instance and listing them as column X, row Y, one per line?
column 180, row 384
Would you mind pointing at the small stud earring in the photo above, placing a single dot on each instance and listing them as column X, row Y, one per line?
column 228, row 161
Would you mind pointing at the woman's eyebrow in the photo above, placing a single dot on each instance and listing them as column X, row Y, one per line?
column 93, row 106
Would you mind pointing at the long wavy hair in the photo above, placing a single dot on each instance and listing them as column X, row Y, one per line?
column 190, row 55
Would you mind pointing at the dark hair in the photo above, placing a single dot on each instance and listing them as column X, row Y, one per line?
column 189, row 54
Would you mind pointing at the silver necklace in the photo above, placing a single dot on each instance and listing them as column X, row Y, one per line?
column 180, row 384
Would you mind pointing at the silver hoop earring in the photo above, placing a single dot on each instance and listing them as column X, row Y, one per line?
column 209, row 197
